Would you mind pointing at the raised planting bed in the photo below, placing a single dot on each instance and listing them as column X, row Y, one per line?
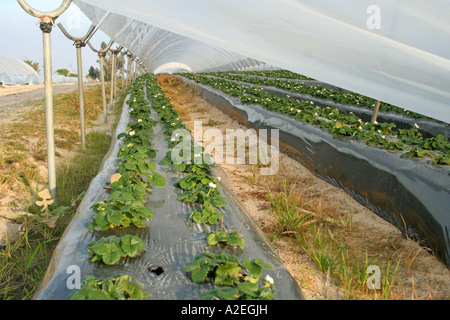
column 163, row 262
column 324, row 95
column 384, row 135
column 413, row 194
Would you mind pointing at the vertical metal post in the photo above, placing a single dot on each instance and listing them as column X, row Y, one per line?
column 81, row 96
column 49, row 124
column 114, row 75
column 80, row 43
column 375, row 111
column 113, row 65
column 130, row 56
column 101, row 55
column 102, row 75
column 46, row 25
column 122, row 69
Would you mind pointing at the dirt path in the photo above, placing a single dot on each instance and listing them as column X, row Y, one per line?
column 421, row 275
column 20, row 95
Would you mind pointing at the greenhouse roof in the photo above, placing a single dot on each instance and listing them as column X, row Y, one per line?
column 15, row 71
column 395, row 51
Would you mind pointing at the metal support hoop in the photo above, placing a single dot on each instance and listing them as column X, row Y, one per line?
column 40, row 14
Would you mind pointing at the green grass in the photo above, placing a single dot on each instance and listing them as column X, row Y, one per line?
column 74, row 174
column 23, row 262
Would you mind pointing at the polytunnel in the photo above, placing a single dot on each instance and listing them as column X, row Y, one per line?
column 394, row 52
column 14, row 71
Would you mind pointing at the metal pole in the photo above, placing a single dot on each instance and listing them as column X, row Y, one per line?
column 49, row 125
column 81, row 96
column 101, row 55
column 375, row 111
column 114, row 74
column 102, row 75
column 80, row 43
column 113, row 62
column 46, row 25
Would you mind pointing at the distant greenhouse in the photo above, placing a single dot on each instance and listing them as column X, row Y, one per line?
column 14, row 71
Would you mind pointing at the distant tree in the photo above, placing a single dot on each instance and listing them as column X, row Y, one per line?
column 63, row 72
column 34, row 65
column 66, row 73
column 94, row 73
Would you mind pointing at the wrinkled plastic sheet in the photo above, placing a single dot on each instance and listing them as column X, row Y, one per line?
column 171, row 239
column 411, row 194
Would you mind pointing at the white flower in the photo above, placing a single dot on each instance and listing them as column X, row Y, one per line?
column 218, row 178
column 269, row 279
column 416, row 125
column 375, row 122
column 131, row 109
column 131, row 133
column 172, row 139
column 163, row 107
column 139, row 120
column 212, row 185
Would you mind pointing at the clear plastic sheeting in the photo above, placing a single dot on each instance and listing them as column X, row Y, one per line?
column 394, row 51
column 15, row 71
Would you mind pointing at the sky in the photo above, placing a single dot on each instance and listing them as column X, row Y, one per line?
column 21, row 37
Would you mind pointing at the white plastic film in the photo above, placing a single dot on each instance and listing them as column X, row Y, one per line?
column 394, row 51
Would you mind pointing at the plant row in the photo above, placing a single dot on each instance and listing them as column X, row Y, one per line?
column 318, row 91
column 382, row 135
column 125, row 205
column 233, row 279
column 278, row 74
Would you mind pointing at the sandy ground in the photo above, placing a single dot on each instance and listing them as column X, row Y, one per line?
column 428, row 279
column 15, row 101
column 16, row 95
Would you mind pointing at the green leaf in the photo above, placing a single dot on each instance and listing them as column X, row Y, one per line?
column 199, row 274
column 227, row 293
column 96, row 294
column 179, row 167
column 211, row 239
column 218, row 201
column 114, row 217
column 158, row 180
column 112, row 255
column 248, row 288
column 260, row 262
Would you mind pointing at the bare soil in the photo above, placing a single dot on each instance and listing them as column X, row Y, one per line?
column 420, row 275
column 16, row 102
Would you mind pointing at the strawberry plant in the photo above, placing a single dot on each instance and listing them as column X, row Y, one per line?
column 114, row 288
column 112, row 249
column 208, row 214
column 228, row 238
column 243, row 291
column 436, row 143
column 119, row 211
column 222, row 269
